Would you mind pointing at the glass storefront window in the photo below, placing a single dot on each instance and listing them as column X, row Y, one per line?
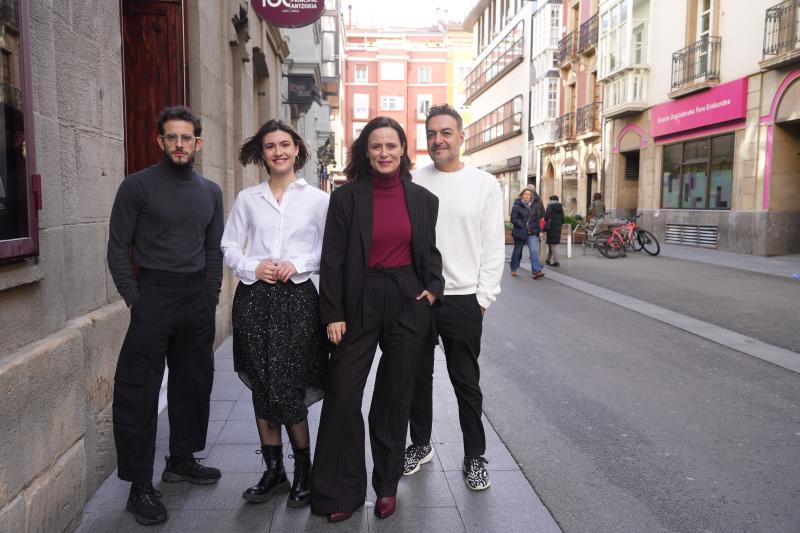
column 698, row 174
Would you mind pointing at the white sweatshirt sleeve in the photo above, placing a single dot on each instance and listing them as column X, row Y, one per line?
column 493, row 250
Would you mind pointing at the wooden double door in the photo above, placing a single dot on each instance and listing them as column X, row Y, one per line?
column 154, row 75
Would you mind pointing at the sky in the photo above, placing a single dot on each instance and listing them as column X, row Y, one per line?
column 405, row 13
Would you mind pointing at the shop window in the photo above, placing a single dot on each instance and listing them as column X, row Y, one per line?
column 698, row 174
column 19, row 187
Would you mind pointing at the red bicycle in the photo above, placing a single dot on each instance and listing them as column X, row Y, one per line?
column 613, row 243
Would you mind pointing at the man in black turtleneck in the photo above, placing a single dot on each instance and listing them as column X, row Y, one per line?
column 171, row 219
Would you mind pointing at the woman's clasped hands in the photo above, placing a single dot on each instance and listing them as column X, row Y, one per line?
column 272, row 273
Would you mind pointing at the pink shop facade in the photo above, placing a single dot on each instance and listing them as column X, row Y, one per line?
column 718, row 168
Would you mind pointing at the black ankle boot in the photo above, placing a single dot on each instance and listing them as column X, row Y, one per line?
column 300, row 494
column 273, row 481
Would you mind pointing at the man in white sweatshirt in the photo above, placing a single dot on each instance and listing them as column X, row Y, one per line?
column 470, row 236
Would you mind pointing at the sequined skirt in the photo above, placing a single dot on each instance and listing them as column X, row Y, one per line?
column 280, row 348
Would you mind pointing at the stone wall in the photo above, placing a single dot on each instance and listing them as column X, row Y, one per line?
column 63, row 321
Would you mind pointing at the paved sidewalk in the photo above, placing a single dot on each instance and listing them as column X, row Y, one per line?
column 782, row 265
column 435, row 499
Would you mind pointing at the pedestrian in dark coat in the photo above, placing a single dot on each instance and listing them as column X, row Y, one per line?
column 554, row 219
column 525, row 215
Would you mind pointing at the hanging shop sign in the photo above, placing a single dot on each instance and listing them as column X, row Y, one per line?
column 569, row 166
column 288, row 13
column 301, row 89
column 720, row 104
column 591, row 164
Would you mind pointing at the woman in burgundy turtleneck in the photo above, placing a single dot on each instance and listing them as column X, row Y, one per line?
column 380, row 274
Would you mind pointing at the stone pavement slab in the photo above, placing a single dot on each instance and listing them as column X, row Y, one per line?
column 435, row 499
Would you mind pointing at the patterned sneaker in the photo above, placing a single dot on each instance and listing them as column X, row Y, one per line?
column 475, row 474
column 144, row 502
column 189, row 469
column 416, row 456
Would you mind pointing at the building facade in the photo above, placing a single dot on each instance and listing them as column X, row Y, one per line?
column 545, row 92
column 398, row 74
column 707, row 149
column 497, row 91
column 571, row 162
column 82, row 83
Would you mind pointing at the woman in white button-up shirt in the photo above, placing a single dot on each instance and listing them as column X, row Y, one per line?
column 272, row 242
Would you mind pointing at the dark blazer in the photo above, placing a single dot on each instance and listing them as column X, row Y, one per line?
column 347, row 242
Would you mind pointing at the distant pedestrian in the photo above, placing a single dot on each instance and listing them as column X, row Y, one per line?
column 172, row 219
column 470, row 234
column 525, row 215
column 597, row 210
column 381, row 274
column 553, row 222
column 272, row 242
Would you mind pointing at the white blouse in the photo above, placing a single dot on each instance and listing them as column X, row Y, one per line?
column 259, row 228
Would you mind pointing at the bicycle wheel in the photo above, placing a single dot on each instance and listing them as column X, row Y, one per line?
column 608, row 244
column 649, row 242
column 635, row 242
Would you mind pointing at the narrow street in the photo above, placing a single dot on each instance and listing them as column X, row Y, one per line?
column 625, row 423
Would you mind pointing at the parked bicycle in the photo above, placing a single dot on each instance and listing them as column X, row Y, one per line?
column 615, row 242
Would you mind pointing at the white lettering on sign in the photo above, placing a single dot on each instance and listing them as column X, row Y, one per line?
column 291, row 4
column 696, row 110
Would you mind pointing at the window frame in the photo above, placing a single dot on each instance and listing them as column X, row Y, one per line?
column 424, row 98
column 356, row 98
column 709, row 162
column 392, row 102
column 356, row 77
column 429, row 70
column 385, row 70
column 12, row 250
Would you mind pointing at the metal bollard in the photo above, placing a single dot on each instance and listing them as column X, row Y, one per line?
column 569, row 244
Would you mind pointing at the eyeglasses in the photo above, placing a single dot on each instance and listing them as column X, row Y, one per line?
column 172, row 138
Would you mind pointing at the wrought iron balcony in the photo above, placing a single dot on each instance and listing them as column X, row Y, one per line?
column 695, row 64
column 565, row 127
column 588, row 39
column 587, row 118
column 567, row 48
column 781, row 34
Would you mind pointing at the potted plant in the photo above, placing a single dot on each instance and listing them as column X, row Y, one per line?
column 509, row 237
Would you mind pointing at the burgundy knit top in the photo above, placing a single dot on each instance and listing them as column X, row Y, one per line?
column 391, row 226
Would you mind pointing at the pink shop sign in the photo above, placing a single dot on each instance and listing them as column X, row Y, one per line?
column 288, row 13
column 724, row 103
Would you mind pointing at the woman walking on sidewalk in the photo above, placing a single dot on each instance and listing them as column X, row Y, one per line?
column 553, row 221
column 272, row 242
column 380, row 275
column 525, row 215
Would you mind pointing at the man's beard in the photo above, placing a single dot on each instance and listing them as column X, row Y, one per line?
column 168, row 158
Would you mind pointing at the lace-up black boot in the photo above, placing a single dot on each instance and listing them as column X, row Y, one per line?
column 273, row 481
column 300, row 495
column 187, row 468
column 144, row 502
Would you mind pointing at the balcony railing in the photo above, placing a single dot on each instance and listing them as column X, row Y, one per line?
column 587, row 118
column 696, row 63
column 507, row 54
column 782, row 29
column 588, row 39
column 565, row 127
column 567, row 48
column 494, row 127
